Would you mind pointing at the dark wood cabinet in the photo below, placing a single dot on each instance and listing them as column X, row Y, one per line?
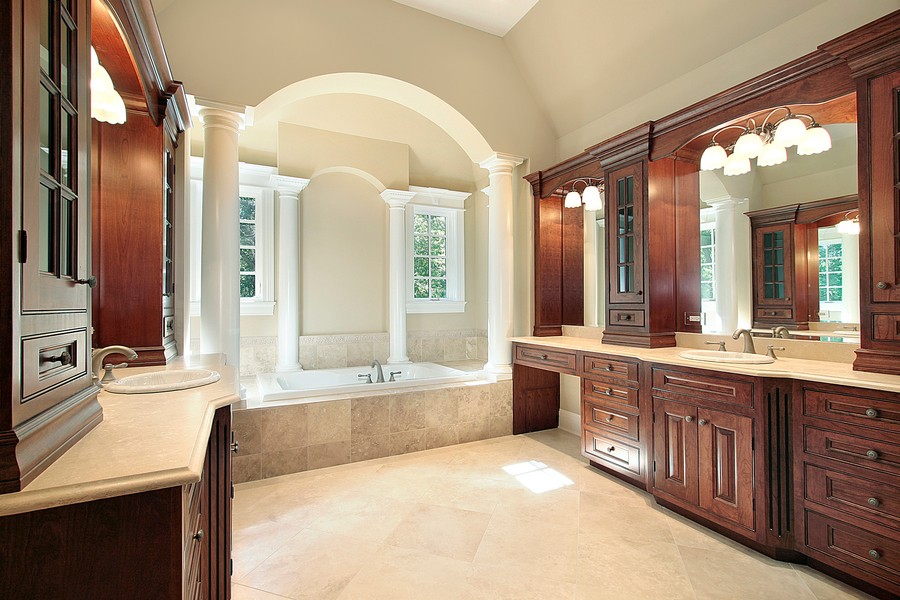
column 626, row 193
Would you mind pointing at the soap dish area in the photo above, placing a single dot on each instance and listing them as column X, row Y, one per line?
column 163, row 381
column 734, row 358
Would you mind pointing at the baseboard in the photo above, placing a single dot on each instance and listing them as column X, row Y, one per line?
column 569, row 421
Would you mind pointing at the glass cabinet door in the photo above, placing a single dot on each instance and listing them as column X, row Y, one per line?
column 625, row 205
column 774, row 264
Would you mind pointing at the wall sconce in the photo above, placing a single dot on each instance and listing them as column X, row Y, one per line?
column 107, row 105
column 766, row 143
column 849, row 226
column 591, row 195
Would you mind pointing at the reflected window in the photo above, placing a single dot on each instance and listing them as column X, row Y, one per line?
column 708, row 261
column 831, row 275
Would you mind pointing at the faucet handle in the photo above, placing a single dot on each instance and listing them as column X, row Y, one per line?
column 108, row 372
column 394, row 373
column 771, row 350
column 366, row 376
column 721, row 345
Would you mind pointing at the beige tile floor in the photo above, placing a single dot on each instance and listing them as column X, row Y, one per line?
column 451, row 523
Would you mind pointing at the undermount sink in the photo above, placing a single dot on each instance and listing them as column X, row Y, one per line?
column 163, row 381
column 741, row 358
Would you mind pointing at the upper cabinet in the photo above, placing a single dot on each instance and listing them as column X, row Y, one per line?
column 626, row 210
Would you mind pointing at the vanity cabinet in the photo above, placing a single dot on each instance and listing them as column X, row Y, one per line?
column 536, row 372
column 169, row 543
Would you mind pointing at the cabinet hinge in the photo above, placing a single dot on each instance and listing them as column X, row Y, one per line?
column 23, row 246
column 654, row 466
column 230, row 567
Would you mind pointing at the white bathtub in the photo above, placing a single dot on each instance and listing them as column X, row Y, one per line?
column 302, row 385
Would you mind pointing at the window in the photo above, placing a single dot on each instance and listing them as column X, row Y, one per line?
column 708, row 261
column 249, row 276
column 436, row 255
column 831, row 267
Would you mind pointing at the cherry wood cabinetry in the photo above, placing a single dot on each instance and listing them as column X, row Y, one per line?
column 536, row 372
column 168, row 543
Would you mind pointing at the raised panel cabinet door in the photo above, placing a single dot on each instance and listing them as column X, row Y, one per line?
column 885, row 187
column 726, row 465
column 675, row 449
column 625, row 258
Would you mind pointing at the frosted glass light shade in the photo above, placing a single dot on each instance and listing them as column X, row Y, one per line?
column 772, row 154
column 592, row 198
column 815, row 140
column 789, row 132
column 848, row 227
column 573, row 200
column 737, row 165
column 749, row 145
column 106, row 103
column 713, row 158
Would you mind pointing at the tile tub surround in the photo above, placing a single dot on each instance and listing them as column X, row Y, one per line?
column 277, row 440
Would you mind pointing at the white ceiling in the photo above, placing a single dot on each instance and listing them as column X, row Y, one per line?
column 496, row 17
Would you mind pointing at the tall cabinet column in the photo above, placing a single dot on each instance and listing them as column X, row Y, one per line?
column 289, row 189
column 220, row 309
column 397, row 201
column 500, row 261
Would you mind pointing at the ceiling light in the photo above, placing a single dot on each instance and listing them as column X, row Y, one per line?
column 749, row 144
column 815, row 140
column 849, row 226
column 591, row 194
column 593, row 199
column 713, row 157
column 573, row 199
column 737, row 165
column 772, row 154
column 789, row 131
column 106, row 104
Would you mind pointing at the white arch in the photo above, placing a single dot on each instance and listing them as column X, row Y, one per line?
column 376, row 183
column 406, row 94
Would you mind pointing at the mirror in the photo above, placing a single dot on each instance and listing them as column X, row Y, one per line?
column 770, row 251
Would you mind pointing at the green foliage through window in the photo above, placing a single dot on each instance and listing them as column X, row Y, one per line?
column 708, row 264
column 429, row 257
column 831, row 271
column 248, row 266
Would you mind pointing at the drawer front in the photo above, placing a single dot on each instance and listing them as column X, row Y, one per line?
column 858, row 409
column 611, row 451
column 48, row 361
column 626, row 318
column 860, row 548
column 609, row 368
column 707, row 387
column 774, row 313
column 879, row 454
column 853, row 494
column 544, row 358
column 610, row 392
column 612, row 418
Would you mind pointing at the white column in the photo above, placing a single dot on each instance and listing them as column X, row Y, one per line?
column 220, row 309
column 591, row 291
column 850, row 281
column 727, row 211
column 397, row 273
column 289, row 189
column 501, row 276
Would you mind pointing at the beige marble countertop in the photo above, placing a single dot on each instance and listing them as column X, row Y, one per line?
column 145, row 442
column 787, row 368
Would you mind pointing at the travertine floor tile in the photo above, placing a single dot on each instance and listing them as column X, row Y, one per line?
column 242, row 592
column 442, row 531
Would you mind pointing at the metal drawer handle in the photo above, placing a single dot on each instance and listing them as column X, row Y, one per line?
column 235, row 447
column 882, row 285
column 91, row 282
column 625, row 317
column 871, row 412
column 608, row 391
column 874, row 502
column 611, row 449
column 199, row 535
column 689, row 419
column 702, row 422
column 609, row 368
column 609, row 419
column 875, row 554
column 63, row 358
column 872, row 454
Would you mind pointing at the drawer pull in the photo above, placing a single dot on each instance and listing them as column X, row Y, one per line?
column 625, row 317
column 874, row 554
column 609, row 368
column 874, row 502
column 63, row 358
column 199, row 535
column 543, row 357
column 702, row 422
column 871, row 412
column 689, row 419
column 882, row 285
column 608, row 391
column 235, row 447
column 609, row 419
column 872, row 454
column 611, row 449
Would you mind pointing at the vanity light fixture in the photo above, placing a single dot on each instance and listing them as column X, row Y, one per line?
column 107, row 105
column 591, row 195
column 849, row 226
column 767, row 143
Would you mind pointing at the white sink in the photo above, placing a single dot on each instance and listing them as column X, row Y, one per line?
column 740, row 358
column 163, row 381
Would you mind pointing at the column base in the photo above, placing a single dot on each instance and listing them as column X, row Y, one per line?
column 288, row 368
column 498, row 369
column 403, row 360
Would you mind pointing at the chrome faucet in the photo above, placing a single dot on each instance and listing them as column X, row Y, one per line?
column 100, row 354
column 748, row 340
column 781, row 332
column 378, row 370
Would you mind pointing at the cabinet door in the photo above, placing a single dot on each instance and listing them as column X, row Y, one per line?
column 625, row 206
column 726, row 465
column 773, row 261
column 675, row 449
column 885, row 191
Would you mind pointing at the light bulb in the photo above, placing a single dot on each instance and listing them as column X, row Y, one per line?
column 737, row 165
column 789, row 132
column 573, row 200
column 106, row 104
column 713, row 157
column 749, row 145
column 772, row 154
column 591, row 197
column 815, row 140
column 848, row 227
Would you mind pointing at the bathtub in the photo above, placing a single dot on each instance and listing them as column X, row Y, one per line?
column 308, row 385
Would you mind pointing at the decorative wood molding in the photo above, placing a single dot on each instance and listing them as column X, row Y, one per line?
column 877, row 361
column 871, row 49
column 626, row 147
column 544, row 183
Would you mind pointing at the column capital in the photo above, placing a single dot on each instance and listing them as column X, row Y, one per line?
column 501, row 163
column 397, row 198
column 223, row 119
column 288, row 186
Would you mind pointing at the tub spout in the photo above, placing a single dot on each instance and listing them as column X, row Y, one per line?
column 378, row 370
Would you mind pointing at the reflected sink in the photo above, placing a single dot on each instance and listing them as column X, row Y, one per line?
column 739, row 358
column 163, row 381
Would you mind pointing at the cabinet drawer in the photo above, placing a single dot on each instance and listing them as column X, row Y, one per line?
column 611, row 451
column 544, row 358
column 881, row 455
column 774, row 313
column 863, row 549
column 597, row 365
column 667, row 382
column 612, row 418
column 855, row 408
column 626, row 318
column 610, row 392
column 853, row 494
column 50, row 360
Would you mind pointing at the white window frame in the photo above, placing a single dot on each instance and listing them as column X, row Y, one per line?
column 710, row 226
column 253, row 183
column 831, row 305
column 449, row 204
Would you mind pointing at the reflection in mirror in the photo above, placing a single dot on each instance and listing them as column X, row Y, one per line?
column 727, row 287
column 594, row 267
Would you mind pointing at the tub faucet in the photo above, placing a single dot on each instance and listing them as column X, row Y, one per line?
column 378, row 370
column 100, row 354
column 748, row 340
column 781, row 332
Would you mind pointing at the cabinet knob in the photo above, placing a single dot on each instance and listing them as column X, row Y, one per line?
column 702, row 422
column 608, row 392
column 611, row 449
column 63, row 358
column 609, row 419
column 689, row 419
column 872, row 454
column 199, row 535
column 91, row 282
column 874, row 502
column 882, row 285
column 874, row 554
column 609, row 367
column 235, row 447
column 773, row 313
column 543, row 357
column 871, row 412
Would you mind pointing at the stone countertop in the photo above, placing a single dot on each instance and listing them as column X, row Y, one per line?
column 145, row 442
column 786, row 368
